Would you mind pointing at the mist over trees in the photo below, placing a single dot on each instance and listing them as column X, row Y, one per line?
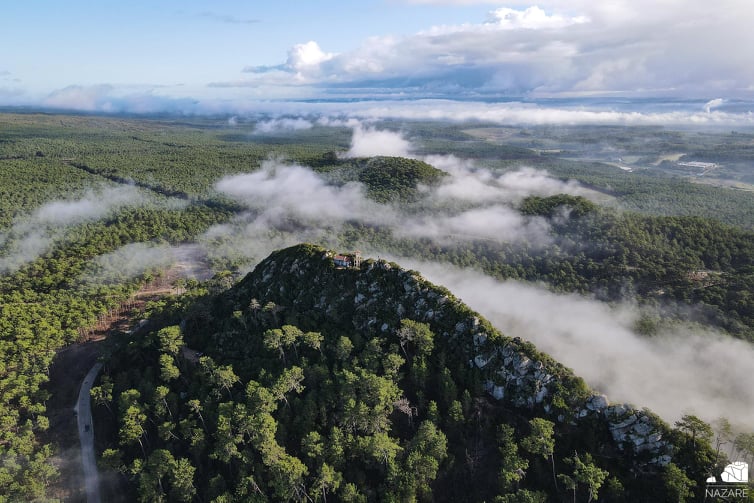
column 239, row 396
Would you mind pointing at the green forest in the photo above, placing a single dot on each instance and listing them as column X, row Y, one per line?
column 291, row 378
column 355, row 411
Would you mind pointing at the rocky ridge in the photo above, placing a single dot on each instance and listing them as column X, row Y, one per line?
column 376, row 296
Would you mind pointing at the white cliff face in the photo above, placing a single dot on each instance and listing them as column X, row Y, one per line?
column 637, row 430
column 515, row 375
column 630, row 428
column 597, row 403
column 524, row 382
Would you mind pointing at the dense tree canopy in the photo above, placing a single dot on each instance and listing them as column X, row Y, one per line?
column 287, row 404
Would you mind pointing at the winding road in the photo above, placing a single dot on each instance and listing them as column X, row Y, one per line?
column 86, row 435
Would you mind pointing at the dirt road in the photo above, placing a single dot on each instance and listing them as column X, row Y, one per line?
column 86, row 435
column 69, row 385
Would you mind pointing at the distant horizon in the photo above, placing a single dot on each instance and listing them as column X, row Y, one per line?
column 608, row 111
column 181, row 57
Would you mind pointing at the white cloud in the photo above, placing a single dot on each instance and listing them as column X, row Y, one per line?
column 113, row 99
column 304, row 65
column 128, row 261
column 279, row 192
column 454, row 2
column 497, row 223
column 683, row 370
column 634, row 48
column 92, row 206
column 282, row 124
column 533, row 18
column 713, row 104
column 368, row 141
column 471, row 184
column 639, row 47
column 290, row 203
column 135, row 259
column 339, row 122
column 493, row 195
column 87, row 98
column 531, row 113
column 572, row 110
column 307, row 55
column 33, row 235
column 680, row 371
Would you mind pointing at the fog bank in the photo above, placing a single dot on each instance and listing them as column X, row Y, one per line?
column 684, row 370
column 33, row 235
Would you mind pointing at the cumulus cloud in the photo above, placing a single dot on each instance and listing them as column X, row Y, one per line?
column 302, row 58
column 635, row 48
column 369, row 141
column 304, row 65
column 533, row 18
column 560, row 48
column 680, row 371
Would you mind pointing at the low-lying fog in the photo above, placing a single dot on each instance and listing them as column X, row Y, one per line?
column 680, row 371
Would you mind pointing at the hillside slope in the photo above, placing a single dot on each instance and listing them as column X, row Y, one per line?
column 369, row 383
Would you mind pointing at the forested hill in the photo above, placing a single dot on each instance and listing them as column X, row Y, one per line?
column 386, row 179
column 367, row 383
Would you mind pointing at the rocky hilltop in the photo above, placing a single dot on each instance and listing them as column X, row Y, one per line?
column 374, row 297
column 322, row 376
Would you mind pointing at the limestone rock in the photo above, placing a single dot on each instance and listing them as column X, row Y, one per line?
column 597, row 403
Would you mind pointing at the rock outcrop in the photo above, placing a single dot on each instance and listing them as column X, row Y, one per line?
column 376, row 296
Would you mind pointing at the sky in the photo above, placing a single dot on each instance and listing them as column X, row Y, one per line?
column 146, row 56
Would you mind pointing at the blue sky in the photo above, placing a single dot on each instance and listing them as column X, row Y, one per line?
column 146, row 56
column 49, row 45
